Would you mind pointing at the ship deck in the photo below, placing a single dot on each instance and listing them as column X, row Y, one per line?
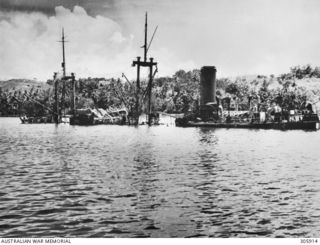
column 312, row 125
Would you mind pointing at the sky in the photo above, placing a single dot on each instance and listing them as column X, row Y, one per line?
column 239, row 37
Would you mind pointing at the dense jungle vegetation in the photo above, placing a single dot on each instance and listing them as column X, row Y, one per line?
column 176, row 94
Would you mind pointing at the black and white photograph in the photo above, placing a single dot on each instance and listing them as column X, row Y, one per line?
column 159, row 119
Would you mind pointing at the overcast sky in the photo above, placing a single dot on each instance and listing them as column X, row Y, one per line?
column 237, row 36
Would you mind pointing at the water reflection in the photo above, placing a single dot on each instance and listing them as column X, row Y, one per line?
column 207, row 136
column 146, row 182
column 112, row 181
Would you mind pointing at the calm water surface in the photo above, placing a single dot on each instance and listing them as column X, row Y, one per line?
column 119, row 181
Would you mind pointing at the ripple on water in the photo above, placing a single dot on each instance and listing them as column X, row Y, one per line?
column 112, row 181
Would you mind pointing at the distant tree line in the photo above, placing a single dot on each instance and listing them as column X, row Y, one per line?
column 175, row 94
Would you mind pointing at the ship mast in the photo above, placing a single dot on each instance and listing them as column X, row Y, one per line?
column 145, row 37
column 145, row 63
column 60, row 104
column 63, row 64
column 64, row 74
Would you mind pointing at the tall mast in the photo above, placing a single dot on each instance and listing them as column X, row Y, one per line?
column 60, row 101
column 64, row 74
column 63, row 55
column 145, row 63
column 146, row 38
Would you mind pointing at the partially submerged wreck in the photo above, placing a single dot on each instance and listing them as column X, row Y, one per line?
column 211, row 112
column 99, row 116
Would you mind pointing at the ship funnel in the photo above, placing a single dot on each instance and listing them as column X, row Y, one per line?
column 208, row 85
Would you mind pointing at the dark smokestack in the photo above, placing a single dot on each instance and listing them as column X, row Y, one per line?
column 207, row 85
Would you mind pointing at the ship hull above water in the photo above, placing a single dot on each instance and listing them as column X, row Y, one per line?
column 281, row 126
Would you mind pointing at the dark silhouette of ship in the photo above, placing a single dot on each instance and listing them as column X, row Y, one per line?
column 210, row 112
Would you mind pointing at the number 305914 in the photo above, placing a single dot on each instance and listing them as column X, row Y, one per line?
column 308, row 240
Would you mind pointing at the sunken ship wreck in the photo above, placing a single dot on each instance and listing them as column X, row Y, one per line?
column 211, row 114
column 63, row 112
